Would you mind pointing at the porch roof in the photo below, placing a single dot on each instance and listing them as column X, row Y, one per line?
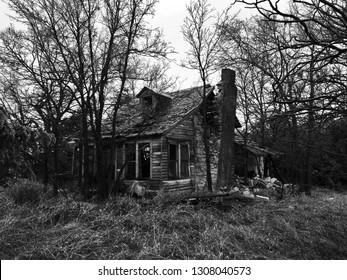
column 256, row 149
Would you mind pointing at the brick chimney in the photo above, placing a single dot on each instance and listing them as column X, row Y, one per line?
column 226, row 162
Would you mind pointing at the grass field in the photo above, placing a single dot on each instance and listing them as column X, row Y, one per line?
column 124, row 228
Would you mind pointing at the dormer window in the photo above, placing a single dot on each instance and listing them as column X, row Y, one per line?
column 152, row 102
column 148, row 102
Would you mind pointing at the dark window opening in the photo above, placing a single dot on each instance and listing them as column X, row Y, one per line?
column 173, row 174
column 184, row 161
column 148, row 102
column 130, row 157
column 144, row 160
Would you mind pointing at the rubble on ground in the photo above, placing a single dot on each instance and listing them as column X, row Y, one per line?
column 260, row 188
column 245, row 190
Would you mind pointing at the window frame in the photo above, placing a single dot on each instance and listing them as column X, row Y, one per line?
column 175, row 161
column 186, row 160
column 139, row 164
column 178, row 160
column 126, row 175
column 137, row 159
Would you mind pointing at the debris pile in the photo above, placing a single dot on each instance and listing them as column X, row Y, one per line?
column 258, row 188
column 246, row 190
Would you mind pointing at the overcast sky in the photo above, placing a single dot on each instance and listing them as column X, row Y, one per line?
column 169, row 16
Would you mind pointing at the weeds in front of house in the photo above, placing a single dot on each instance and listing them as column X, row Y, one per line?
column 126, row 228
column 25, row 192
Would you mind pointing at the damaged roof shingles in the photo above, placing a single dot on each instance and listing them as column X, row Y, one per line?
column 163, row 118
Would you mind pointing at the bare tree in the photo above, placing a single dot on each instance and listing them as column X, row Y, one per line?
column 42, row 87
column 322, row 21
column 94, row 41
column 139, row 41
column 153, row 75
column 299, row 85
column 200, row 31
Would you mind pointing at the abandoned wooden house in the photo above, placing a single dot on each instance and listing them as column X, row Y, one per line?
column 160, row 138
column 159, row 141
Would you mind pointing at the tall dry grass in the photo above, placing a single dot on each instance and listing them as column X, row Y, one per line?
column 125, row 228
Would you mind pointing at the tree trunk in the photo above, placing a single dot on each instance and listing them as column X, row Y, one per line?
column 226, row 164
column 205, row 138
column 207, row 156
column 102, row 189
column 55, row 156
column 80, row 166
column 45, row 166
column 55, row 164
column 309, row 165
column 47, row 150
column 86, row 176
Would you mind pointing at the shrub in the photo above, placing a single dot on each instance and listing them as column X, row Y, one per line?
column 25, row 191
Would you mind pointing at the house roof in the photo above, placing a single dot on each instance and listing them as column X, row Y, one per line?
column 147, row 90
column 133, row 122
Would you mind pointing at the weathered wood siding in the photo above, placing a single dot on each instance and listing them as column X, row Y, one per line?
column 179, row 185
column 183, row 130
column 157, row 159
column 188, row 130
column 153, row 185
column 164, row 159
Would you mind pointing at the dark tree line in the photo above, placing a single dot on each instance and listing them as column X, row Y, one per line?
column 293, row 63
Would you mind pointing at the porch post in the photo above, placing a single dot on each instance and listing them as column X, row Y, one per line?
column 136, row 160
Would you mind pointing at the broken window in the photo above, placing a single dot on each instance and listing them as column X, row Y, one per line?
column 173, row 174
column 138, row 161
column 144, row 160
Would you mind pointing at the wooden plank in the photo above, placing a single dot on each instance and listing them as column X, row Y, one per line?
column 178, row 181
column 185, row 190
column 178, row 185
column 156, row 158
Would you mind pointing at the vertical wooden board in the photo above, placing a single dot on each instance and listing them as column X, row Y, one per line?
column 164, row 158
column 156, row 158
column 184, row 130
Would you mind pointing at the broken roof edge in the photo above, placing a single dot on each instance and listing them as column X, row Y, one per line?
column 193, row 110
column 257, row 150
column 123, row 137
